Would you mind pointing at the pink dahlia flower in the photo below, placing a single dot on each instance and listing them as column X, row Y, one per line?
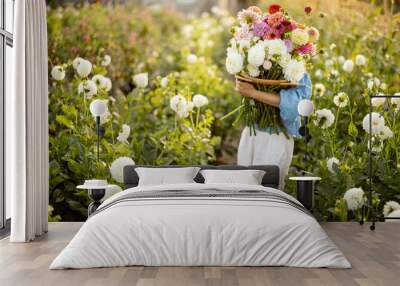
column 306, row 49
column 275, row 19
column 260, row 29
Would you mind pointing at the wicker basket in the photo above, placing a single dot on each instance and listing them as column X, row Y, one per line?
column 283, row 83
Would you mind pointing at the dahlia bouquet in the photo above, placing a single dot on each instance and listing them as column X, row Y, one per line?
column 271, row 51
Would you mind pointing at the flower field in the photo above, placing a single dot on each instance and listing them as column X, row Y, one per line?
column 164, row 80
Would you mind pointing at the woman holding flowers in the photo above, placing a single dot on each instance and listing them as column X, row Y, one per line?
column 268, row 55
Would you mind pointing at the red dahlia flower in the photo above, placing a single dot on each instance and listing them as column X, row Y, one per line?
column 273, row 8
column 308, row 9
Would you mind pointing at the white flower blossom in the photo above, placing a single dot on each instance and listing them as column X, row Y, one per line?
column 106, row 61
column 84, row 68
column 87, row 88
column 284, row 60
column 200, row 100
column 141, row 79
column 256, row 55
column 275, row 47
column 378, row 101
column 330, row 162
column 341, row 100
column 378, row 123
column 58, row 73
column 299, row 37
column 348, row 66
column 396, row 100
column 385, row 133
column 324, row 118
column 164, row 82
column 102, row 82
column 354, row 198
column 124, row 134
column 334, row 72
column 329, row 63
column 320, row 89
column 341, row 59
column 267, row 65
column 191, row 58
column 370, row 84
column 318, row 73
column 117, row 168
column 253, row 71
column 361, row 60
column 178, row 103
column 76, row 62
column 234, row 62
column 383, row 86
column 294, row 71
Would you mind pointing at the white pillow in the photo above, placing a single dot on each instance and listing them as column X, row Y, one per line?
column 166, row 176
column 248, row 177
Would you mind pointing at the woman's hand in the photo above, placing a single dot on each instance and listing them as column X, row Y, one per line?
column 245, row 88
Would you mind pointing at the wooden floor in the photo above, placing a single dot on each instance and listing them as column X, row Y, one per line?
column 375, row 257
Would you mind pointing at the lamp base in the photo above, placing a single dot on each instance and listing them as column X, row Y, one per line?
column 95, row 195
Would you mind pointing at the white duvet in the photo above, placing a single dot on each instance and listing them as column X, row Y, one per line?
column 200, row 231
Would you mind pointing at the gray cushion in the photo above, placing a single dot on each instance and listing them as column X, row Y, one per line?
column 270, row 179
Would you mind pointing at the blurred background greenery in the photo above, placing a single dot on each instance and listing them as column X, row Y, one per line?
column 161, row 38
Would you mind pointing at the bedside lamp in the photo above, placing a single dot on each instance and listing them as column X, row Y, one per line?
column 98, row 108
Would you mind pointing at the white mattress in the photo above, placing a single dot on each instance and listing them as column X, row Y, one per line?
column 200, row 231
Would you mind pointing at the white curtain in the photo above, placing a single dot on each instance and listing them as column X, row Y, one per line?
column 27, row 124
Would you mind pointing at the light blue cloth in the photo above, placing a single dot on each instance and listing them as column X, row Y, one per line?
column 290, row 98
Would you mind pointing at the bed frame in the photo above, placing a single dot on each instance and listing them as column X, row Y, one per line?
column 270, row 179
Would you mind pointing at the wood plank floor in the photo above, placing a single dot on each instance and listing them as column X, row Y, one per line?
column 375, row 257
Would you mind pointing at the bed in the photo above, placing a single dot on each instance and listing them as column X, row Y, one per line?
column 201, row 224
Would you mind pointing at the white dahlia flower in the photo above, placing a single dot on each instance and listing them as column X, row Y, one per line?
column 102, row 82
column 383, row 86
column 179, row 104
column 324, row 118
column 299, row 37
column 190, row 106
column 58, row 73
column 389, row 207
column 341, row 100
column 341, row 59
column 361, row 60
column 117, row 168
column 164, row 82
column 330, row 162
column 76, row 62
column 106, row 61
column 267, row 65
column 191, row 58
column 378, row 101
column 200, row 100
column 275, row 47
column 334, row 72
column 354, row 198
column 256, row 55
column 396, row 100
column 253, row 71
column 234, row 62
column 84, row 68
column 378, row 122
column 320, row 89
column 294, row 71
column 88, row 88
column 284, row 60
column 370, row 84
column 385, row 133
column 124, row 134
column 318, row 73
column 141, row 79
column 348, row 66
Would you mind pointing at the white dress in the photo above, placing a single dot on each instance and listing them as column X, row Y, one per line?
column 266, row 149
